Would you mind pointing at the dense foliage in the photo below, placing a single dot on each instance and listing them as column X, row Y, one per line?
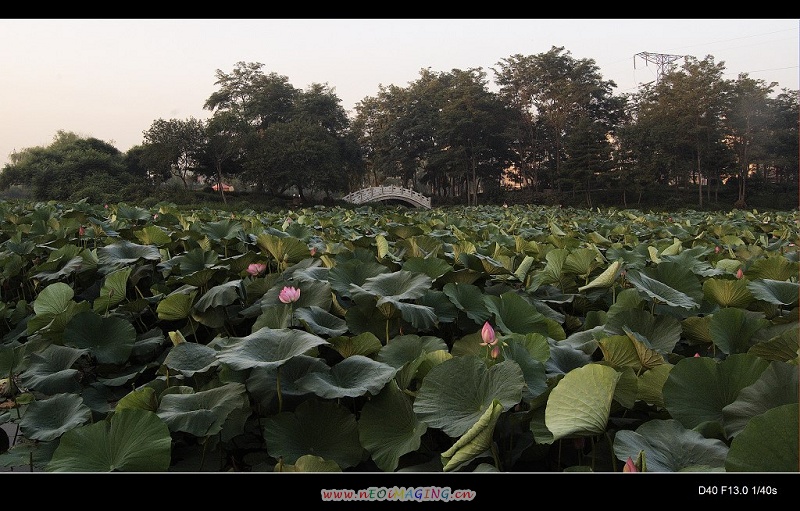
column 382, row 339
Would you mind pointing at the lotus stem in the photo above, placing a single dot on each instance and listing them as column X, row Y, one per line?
column 280, row 396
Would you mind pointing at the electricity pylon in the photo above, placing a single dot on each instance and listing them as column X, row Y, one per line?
column 662, row 60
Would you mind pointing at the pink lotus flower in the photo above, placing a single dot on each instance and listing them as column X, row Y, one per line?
column 289, row 294
column 716, row 250
column 488, row 336
column 313, row 251
column 81, row 231
column 256, row 269
column 739, row 273
column 697, row 355
column 495, row 351
column 630, row 466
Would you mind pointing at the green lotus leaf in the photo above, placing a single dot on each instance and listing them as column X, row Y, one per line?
column 403, row 349
column 421, row 317
column 177, row 305
column 322, row 428
column 659, row 291
column 53, row 308
column 533, row 370
column 774, row 291
column 393, row 287
column 309, row 463
column 133, row 440
column 355, row 272
column 605, row 279
column 433, row 267
column 468, row 298
column 732, row 329
column 773, row 267
column 123, row 253
column 190, row 262
column 48, row 419
column 651, row 384
column 783, row 347
column 221, row 296
column 581, row 401
column 388, row 427
column 663, row 331
column 363, row 344
column 321, row 322
column 221, row 230
column 189, row 358
column 109, row 339
column 619, row 351
column 50, row 371
column 144, row 398
column 475, row 442
column 202, row 413
column 262, row 382
column 442, row 307
column 273, row 316
column 694, row 259
column 286, row 250
column 58, row 270
column 648, row 358
column 113, row 291
column 769, row 443
column 669, row 447
column 352, row 377
column 537, row 345
column 552, row 272
column 312, row 294
column 727, row 292
column 267, row 347
column 153, row 235
column 696, row 329
column 515, row 314
column 421, row 246
column 699, row 388
column 455, row 393
column 125, row 212
column 777, row 385
column 564, row 358
column 581, row 261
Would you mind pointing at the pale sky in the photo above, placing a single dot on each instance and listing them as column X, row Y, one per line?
column 112, row 78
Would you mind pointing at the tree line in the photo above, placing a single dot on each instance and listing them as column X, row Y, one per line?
column 547, row 123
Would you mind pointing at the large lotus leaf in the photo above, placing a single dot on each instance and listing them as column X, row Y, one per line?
column 403, row 349
column 581, row 261
column 267, row 347
column 774, row 267
column 651, row 383
column 732, row 329
column 468, row 298
column 221, row 296
column 537, row 345
column 312, row 293
column 442, row 307
column 564, row 358
column 191, row 261
column 50, row 371
column 648, row 357
column 262, row 382
column 619, row 351
column 321, row 322
column 322, row 428
column 633, row 259
column 669, row 447
column 153, row 235
column 660, row 292
column 783, row 347
column 53, row 308
column 133, row 440
column 774, row 291
column 699, row 388
column 433, row 267
column 273, row 316
column 221, row 230
column 352, row 377
column 308, row 463
column 727, row 292
column 48, row 419
column 363, row 344
column 202, row 413
column 475, row 442
column 605, row 279
column 113, row 291
column 769, row 443
column 355, row 272
column 124, row 253
column 777, row 385
column 662, row 331
column 533, row 370
column 421, row 317
column 552, row 272
column 189, row 358
column 484, row 264
column 580, row 403
column 696, row 329
column 144, row 398
column 455, row 393
column 177, row 305
column 58, row 270
column 393, row 287
column 694, row 259
column 125, row 212
column 286, row 250
column 515, row 314
column 109, row 339
column 388, row 427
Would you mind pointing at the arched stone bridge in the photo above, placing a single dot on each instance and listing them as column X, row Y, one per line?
column 380, row 193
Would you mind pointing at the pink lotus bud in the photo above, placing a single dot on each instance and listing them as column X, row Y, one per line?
column 313, row 251
column 488, row 336
column 630, row 466
column 697, row 355
column 81, row 231
column 495, row 351
column 256, row 268
column 289, row 294
column 716, row 250
column 739, row 273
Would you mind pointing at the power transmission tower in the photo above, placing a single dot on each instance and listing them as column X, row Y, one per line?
column 662, row 60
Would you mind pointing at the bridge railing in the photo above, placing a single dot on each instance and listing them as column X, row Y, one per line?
column 376, row 193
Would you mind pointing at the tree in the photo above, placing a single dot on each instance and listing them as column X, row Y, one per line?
column 175, row 146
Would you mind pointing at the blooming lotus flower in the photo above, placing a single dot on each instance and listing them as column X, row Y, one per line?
column 739, row 273
column 256, row 268
column 630, row 466
column 289, row 294
column 488, row 335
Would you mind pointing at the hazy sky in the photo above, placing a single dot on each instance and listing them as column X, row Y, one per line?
column 112, row 78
